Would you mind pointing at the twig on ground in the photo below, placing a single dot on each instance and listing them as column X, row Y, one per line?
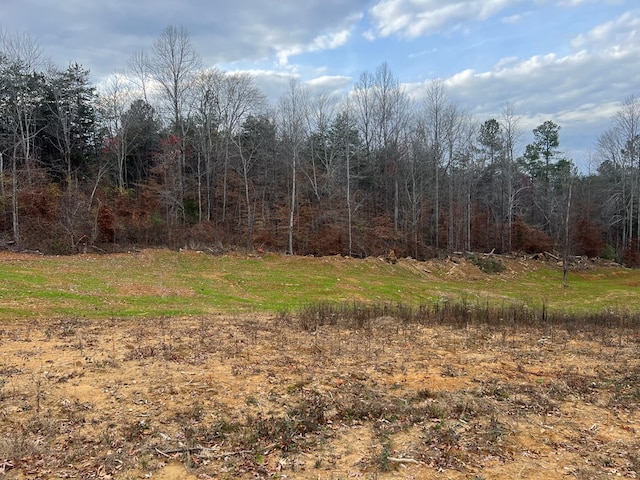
column 208, row 452
column 4, row 466
column 403, row 460
column 162, row 453
column 166, row 453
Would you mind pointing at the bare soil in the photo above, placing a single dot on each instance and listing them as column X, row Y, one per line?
column 260, row 397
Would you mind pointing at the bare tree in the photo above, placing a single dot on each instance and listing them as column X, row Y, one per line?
column 416, row 185
column 347, row 157
column 382, row 111
column 114, row 100
column 251, row 144
column 139, row 68
column 21, row 96
column 238, row 97
column 292, row 113
column 618, row 150
column 363, row 108
column 434, row 113
column 457, row 141
column 321, row 166
column 173, row 63
column 344, row 148
column 567, row 243
column 206, row 92
column 22, row 49
column 392, row 117
column 512, row 135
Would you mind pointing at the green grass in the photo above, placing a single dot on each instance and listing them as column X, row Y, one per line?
column 165, row 283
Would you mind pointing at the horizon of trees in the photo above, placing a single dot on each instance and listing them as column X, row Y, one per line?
column 172, row 154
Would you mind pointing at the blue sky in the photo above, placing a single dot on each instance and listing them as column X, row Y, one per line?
column 570, row 61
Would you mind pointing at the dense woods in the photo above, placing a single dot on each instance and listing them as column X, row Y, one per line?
column 169, row 153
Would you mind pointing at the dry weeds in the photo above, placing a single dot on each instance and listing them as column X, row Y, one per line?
column 261, row 397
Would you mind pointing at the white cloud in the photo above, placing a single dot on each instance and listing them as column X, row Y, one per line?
column 274, row 83
column 331, row 85
column 548, row 82
column 578, row 3
column 422, row 53
column 511, row 19
column 605, row 62
column 572, row 3
column 588, row 113
column 323, row 42
column 621, row 32
column 413, row 18
column 580, row 91
column 271, row 83
column 102, row 35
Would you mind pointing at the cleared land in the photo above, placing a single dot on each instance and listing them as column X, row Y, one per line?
column 185, row 365
column 163, row 283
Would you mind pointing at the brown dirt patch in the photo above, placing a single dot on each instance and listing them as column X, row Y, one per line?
column 258, row 397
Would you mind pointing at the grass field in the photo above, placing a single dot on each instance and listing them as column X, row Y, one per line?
column 155, row 283
column 185, row 366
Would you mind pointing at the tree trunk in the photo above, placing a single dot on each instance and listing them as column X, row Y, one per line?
column 565, row 257
column 14, row 197
column 292, row 207
column 349, row 211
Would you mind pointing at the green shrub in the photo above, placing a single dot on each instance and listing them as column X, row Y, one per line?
column 488, row 265
column 608, row 253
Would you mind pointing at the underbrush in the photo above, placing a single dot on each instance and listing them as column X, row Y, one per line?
column 332, row 391
column 488, row 265
column 464, row 314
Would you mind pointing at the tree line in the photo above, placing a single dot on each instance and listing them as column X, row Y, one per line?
column 169, row 153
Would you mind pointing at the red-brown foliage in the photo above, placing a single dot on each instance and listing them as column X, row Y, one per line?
column 631, row 255
column 530, row 239
column 106, row 224
column 589, row 239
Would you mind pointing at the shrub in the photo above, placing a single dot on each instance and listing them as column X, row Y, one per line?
column 608, row 253
column 589, row 238
column 488, row 264
column 631, row 257
column 530, row 239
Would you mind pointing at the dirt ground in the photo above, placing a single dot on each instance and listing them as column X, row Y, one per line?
column 260, row 397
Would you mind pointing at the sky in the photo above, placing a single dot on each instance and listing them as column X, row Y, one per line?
column 573, row 62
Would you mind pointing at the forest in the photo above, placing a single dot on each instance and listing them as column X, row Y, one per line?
column 172, row 154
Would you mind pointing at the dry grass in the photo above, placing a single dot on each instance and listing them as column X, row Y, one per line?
column 266, row 396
